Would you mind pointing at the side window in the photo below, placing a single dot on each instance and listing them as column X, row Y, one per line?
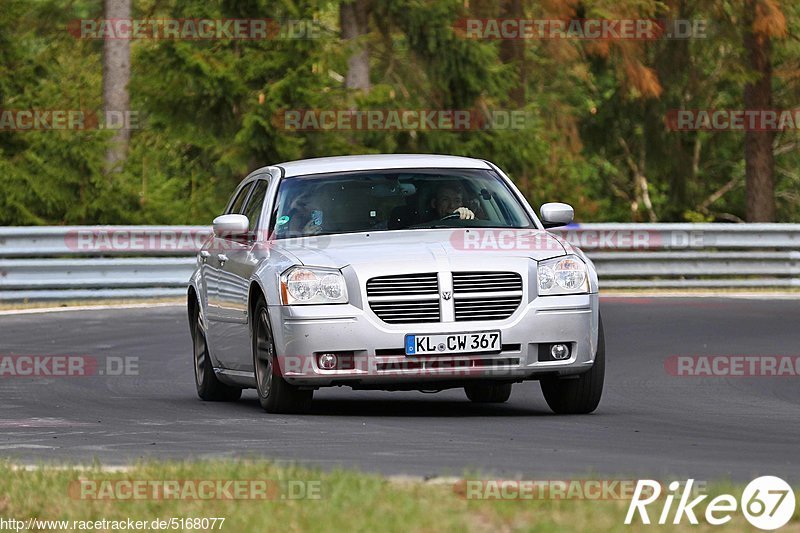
column 235, row 207
column 253, row 208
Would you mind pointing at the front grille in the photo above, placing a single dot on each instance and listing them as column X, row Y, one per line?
column 486, row 282
column 415, row 298
column 486, row 295
column 404, row 284
column 404, row 299
column 407, row 311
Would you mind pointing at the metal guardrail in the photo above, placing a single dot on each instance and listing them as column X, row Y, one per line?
column 691, row 255
column 78, row 262
column 50, row 241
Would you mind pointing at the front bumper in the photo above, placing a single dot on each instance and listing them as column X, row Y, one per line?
column 303, row 332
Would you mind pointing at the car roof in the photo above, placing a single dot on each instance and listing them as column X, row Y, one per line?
column 346, row 163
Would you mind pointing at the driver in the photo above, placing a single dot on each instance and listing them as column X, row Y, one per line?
column 303, row 218
column 448, row 202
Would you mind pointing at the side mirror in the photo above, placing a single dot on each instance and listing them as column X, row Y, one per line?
column 556, row 214
column 228, row 226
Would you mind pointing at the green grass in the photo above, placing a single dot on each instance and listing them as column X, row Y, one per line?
column 349, row 501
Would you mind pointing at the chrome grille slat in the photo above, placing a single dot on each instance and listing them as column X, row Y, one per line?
column 407, row 312
column 401, row 284
column 410, row 319
column 398, row 306
column 465, row 314
column 469, row 306
column 485, row 301
column 384, row 298
column 409, row 292
column 483, row 282
column 495, row 294
column 476, row 306
column 392, row 282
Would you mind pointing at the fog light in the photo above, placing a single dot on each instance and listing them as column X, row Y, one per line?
column 327, row 361
column 559, row 351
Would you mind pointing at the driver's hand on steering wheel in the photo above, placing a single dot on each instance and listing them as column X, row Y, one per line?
column 464, row 213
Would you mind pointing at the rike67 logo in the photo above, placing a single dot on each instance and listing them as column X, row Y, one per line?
column 768, row 503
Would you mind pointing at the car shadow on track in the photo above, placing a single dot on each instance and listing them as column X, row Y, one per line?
column 411, row 408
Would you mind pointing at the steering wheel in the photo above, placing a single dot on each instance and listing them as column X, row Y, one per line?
column 451, row 215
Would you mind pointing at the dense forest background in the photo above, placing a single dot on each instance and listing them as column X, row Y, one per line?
column 596, row 135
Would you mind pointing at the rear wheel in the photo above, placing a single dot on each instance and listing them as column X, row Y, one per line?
column 579, row 395
column 209, row 388
column 488, row 392
column 274, row 393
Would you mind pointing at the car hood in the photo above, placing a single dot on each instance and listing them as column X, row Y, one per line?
column 437, row 246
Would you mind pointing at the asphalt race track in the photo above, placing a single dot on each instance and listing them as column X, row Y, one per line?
column 649, row 423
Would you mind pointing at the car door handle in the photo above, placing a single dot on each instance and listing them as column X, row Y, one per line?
column 222, row 259
column 204, row 255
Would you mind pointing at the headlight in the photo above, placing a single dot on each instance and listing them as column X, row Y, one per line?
column 562, row 275
column 301, row 285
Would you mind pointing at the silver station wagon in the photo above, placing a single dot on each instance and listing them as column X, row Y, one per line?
column 392, row 272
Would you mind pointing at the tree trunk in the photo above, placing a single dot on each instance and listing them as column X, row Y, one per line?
column 354, row 20
column 759, row 158
column 512, row 51
column 678, row 151
column 116, row 76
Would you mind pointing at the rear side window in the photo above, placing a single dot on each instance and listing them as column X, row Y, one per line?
column 235, row 207
column 253, row 208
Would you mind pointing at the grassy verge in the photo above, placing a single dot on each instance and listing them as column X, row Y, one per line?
column 300, row 499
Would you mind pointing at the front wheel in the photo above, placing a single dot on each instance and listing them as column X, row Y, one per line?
column 274, row 394
column 579, row 395
column 488, row 392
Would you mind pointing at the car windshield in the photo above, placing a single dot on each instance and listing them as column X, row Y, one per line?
column 394, row 200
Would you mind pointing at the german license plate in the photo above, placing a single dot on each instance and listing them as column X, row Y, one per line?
column 482, row 342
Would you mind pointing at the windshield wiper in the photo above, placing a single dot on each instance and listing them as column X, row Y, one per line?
column 431, row 226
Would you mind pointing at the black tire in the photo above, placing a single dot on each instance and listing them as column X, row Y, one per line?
column 274, row 394
column 488, row 392
column 209, row 388
column 581, row 395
